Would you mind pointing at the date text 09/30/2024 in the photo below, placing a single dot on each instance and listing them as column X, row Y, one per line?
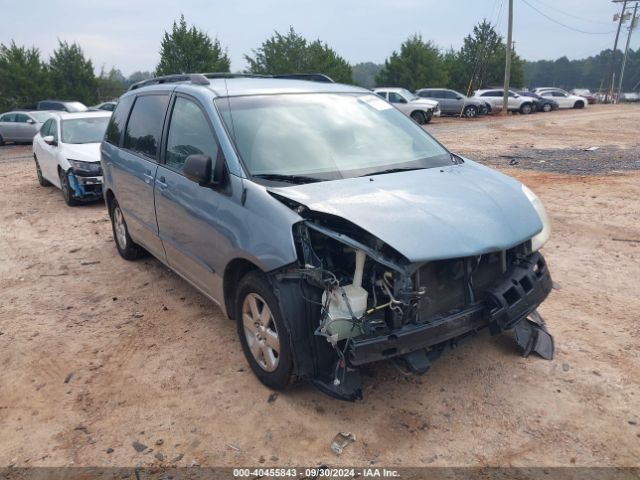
column 315, row 472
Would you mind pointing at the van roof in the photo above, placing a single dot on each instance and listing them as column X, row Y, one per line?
column 223, row 85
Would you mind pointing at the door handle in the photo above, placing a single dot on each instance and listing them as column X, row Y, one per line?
column 148, row 178
column 162, row 183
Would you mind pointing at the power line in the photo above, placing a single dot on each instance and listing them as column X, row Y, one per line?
column 564, row 24
column 570, row 14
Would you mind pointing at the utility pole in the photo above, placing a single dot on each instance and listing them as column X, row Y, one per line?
column 610, row 82
column 507, row 64
column 626, row 50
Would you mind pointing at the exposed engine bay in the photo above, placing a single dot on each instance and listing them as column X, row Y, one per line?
column 368, row 303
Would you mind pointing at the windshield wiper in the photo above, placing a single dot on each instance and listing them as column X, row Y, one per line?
column 287, row 178
column 393, row 170
column 456, row 159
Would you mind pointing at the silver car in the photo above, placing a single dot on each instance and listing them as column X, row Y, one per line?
column 455, row 103
column 335, row 231
column 21, row 126
column 516, row 103
column 421, row 110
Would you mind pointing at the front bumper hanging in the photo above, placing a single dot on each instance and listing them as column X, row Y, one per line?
column 521, row 290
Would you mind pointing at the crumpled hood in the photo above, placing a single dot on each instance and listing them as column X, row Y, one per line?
column 429, row 214
column 87, row 152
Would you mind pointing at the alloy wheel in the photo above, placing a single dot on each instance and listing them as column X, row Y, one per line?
column 120, row 228
column 261, row 332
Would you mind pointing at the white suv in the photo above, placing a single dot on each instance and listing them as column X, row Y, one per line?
column 516, row 103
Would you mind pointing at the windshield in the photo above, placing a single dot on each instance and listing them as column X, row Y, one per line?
column 75, row 107
column 326, row 136
column 407, row 94
column 84, row 130
column 40, row 117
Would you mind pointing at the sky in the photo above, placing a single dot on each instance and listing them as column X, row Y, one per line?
column 126, row 34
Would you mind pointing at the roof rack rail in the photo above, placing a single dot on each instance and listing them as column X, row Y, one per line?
column 203, row 78
column 196, row 78
column 313, row 77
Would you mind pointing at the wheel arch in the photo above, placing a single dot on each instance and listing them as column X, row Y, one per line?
column 109, row 197
column 233, row 272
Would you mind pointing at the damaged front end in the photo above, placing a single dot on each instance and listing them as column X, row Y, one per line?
column 84, row 180
column 363, row 302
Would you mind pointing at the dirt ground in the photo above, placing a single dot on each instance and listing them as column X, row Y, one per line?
column 97, row 353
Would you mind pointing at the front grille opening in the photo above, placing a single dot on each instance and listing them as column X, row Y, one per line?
column 526, row 284
column 511, row 296
column 454, row 284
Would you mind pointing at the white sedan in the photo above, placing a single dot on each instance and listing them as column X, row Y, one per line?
column 563, row 98
column 67, row 154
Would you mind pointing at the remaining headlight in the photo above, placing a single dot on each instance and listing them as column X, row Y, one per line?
column 85, row 168
column 541, row 238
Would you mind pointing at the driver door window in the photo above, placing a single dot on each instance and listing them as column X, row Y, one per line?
column 396, row 98
column 189, row 134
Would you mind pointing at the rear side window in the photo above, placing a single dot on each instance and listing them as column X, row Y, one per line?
column 189, row 134
column 118, row 120
column 425, row 93
column 9, row 117
column 144, row 128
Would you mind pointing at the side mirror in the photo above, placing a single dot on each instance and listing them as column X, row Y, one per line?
column 31, row 121
column 198, row 168
column 459, row 97
column 50, row 140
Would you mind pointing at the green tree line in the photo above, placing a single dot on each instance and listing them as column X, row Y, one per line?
column 589, row 72
column 25, row 77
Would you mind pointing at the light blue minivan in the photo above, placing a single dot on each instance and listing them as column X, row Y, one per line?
column 335, row 230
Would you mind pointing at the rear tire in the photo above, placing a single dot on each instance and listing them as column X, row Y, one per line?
column 1, row 141
column 41, row 180
column 470, row 111
column 127, row 248
column 419, row 117
column 263, row 334
column 67, row 195
column 579, row 104
column 546, row 107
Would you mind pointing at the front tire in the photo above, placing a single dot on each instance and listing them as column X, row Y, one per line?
column 263, row 334
column 41, row 180
column 1, row 141
column 127, row 248
column 546, row 107
column 419, row 117
column 525, row 108
column 470, row 111
column 67, row 195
